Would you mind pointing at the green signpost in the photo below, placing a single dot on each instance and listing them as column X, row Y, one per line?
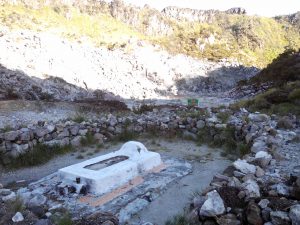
column 193, row 102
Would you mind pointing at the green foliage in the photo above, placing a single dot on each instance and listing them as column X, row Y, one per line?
column 143, row 108
column 285, row 68
column 6, row 128
column 281, row 100
column 224, row 116
column 16, row 205
column 79, row 118
column 88, row 140
column 252, row 40
column 182, row 220
column 38, row 155
column 62, row 218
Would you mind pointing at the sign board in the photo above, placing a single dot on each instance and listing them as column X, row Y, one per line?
column 193, row 102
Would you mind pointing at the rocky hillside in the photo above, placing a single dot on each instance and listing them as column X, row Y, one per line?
column 144, row 72
column 279, row 84
column 210, row 34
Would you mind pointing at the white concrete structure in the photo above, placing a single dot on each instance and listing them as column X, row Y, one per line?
column 110, row 171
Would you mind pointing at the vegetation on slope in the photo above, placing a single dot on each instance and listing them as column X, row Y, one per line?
column 69, row 22
column 251, row 40
column 283, row 76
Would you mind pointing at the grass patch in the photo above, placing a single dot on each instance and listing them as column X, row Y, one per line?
column 181, row 220
column 79, row 118
column 40, row 154
column 88, row 140
column 16, row 205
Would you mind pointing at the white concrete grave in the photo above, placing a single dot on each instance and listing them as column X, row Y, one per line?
column 110, row 171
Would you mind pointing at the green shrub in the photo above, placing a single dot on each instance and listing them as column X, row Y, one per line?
column 88, row 140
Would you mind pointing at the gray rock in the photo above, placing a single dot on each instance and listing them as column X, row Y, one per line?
column 213, row 206
column 198, row 201
column 263, row 154
column 263, row 203
column 5, row 192
column 11, row 197
column 251, row 188
column 18, row 217
column 280, row 218
column 25, row 136
column 40, row 132
column 65, row 133
column 50, row 128
column 11, row 135
column 37, row 200
column 83, row 132
column 200, row 124
column 76, row 141
column 295, row 214
column 259, row 172
column 259, row 146
column 244, row 167
column 254, row 117
column 74, row 130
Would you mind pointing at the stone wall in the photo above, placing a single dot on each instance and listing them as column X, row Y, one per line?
column 188, row 122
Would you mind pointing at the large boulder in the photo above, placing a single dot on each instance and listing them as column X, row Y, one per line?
column 213, row 206
column 11, row 135
column 251, row 188
column 244, row 167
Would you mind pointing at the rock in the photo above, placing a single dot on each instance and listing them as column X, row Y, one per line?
column 265, row 213
column 281, row 189
column 259, row 172
column 295, row 214
column 228, row 219
column 251, row 188
column 76, row 141
column 259, row 146
column 11, row 135
column 5, row 192
column 280, row 218
column 253, row 214
column 198, row 201
column 11, row 197
column 258, row 117
column 200, row 124
column 1, row 186
column 83, row 132
column 99, row 137
column 50, row 128
column 263, row 203
column 244, row 167
column 40, row 132
column 262, row 162
column 65, row 133
column 213, row 206
column 74, row 130
column 18, row 217
column 37, row 200
column 25, row 136
column 262, row 154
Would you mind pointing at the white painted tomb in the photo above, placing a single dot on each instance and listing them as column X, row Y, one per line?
column 110, row 171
